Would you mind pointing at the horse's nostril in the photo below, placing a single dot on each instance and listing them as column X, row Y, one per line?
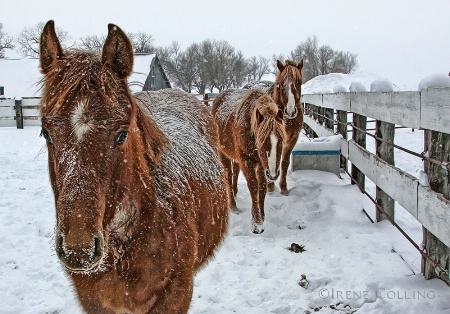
column 98, row 243
column 290, row 116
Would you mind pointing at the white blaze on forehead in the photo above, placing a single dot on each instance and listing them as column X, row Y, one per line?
column 290, row 108
column 80, row 122
column 272, row 158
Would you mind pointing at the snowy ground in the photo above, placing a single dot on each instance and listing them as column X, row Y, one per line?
column 348, row 261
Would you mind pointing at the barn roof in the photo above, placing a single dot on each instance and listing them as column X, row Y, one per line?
column 20, row 77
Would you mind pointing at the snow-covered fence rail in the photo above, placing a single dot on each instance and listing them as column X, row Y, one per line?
column 19, row 112
column 428, row 110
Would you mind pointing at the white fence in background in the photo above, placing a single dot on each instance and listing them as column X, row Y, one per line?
column 19, row 112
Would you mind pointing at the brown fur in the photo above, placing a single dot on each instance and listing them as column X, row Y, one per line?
column 134, row 220
column 289, row 75
column 246, row 119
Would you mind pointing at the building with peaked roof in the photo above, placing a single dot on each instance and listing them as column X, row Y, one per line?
column 148, row 73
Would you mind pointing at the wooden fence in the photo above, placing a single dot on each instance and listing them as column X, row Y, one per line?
column 326, row 114
column 19, row 112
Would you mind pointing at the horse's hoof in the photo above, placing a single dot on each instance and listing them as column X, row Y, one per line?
column 284, row 192
column 258, row 228
column 270, row 187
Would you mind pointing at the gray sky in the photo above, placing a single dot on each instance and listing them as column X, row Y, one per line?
column 402, row 40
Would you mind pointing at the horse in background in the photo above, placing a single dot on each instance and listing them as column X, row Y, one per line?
column 286, row 92
column 140, row 196
column 250, row 137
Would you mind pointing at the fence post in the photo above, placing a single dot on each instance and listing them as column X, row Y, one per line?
column 2, row 91
column 438, row 146
column 329, row 121
column 359, row 136
column 342, row 129
column 19, row 114
column 313, row 111
column 385, row 131
column 320, row 112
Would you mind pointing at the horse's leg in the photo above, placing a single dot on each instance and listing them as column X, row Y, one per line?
column 262, row 190
column 227, row 165
column 285, row 161
column 249, row 171
column 236, row 170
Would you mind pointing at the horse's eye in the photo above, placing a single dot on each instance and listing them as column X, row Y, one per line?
column 47, row 136
column 120, row 137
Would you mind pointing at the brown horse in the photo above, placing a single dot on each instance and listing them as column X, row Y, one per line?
column 140, row 196
column 286, row 92
column 250, row 135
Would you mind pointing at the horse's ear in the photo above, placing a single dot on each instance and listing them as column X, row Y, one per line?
column 118, row 52
column 50, row 49
column 280, row 65
column 300, row 65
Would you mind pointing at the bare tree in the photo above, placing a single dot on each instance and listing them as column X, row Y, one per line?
column 239, row 70
column 224, row 63
column 93, row 43
column 325, row 57
column 142, row 42
column 319, row 60
column 6, row 42
column 257, row 68
column 180, row 66
column 274, row 68
column 29, row 37
column 204, row 62
column 345, row 62
column 209, row 64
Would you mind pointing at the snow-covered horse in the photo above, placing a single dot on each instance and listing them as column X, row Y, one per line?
column 140, row 196
column 250, row 135
column 286, row 92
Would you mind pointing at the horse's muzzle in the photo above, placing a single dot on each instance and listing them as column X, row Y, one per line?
column 270, row 178
column 290, row 116
column 80, row 258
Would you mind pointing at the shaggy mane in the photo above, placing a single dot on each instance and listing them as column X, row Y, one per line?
column 77, row 73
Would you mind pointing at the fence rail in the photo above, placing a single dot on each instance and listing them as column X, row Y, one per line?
column 326, row 114
column 19, row 112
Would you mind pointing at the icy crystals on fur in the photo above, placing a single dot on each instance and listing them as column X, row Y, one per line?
column 182, row 159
